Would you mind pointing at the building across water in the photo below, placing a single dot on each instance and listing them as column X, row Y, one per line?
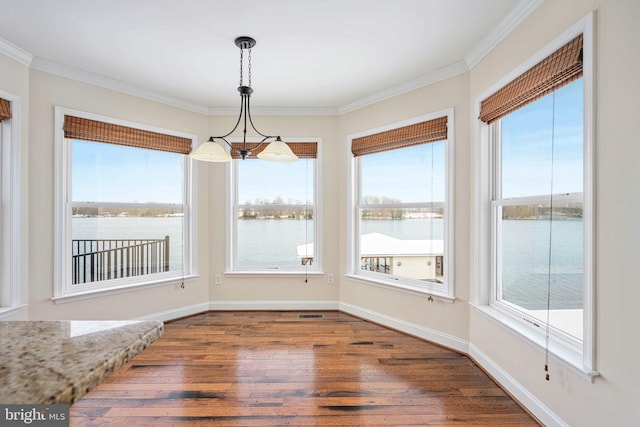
column 410, row 258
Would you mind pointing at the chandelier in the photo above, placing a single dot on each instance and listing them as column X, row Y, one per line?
column 275, row 151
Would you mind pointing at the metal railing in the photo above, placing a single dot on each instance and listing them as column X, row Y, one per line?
column 377, row 264
column 106, row 259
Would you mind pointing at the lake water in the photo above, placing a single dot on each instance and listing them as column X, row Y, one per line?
column 274, row 242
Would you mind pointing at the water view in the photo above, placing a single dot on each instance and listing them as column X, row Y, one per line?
column 273, row 242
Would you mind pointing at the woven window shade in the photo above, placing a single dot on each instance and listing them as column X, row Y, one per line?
column 558, row 69
column 407, row 136
column 304, row 150
column 5, row 109
column 93, row 130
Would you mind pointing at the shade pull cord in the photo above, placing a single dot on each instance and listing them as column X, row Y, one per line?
column 548, row 327
column 306, row 221
column 432, row 214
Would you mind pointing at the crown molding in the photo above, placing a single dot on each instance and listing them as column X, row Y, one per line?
column 502, row 30
column 15, row 52
column 486, row 45
column 50, row 67
column 275, row 111
column 435, row 76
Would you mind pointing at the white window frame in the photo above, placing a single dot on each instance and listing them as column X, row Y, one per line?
column 232, row 269
column 10, row 277
column 580, row 357
column 443, row 292
column 63, row 291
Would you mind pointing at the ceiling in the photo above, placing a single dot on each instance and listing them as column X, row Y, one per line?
column 331, row 55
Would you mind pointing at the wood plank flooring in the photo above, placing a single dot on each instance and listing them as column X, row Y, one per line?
column 274, row 368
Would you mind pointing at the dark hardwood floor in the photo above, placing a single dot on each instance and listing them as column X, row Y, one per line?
column 274, row 368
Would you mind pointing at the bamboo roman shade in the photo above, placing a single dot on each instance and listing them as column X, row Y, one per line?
column 93, row 130
column 558, row 69
column 407, row 136
column 5, row 109
column 304, row 150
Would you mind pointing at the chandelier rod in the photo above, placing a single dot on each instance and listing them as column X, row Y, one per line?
column 276, row 151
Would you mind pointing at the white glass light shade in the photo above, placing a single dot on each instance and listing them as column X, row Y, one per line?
column 210, row 151
column 277, row 151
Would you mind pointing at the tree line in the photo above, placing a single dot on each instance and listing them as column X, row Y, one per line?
column 564, row 211
column 92, row 211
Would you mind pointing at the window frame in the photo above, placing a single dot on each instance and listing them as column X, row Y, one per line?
column 63, row 291
column 443, row 292
column 232, row 268
column 580, row 357
column 10, row 223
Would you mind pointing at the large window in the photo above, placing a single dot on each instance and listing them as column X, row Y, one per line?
column 538, row 211
column 9, row 206
column 537, row 144
column 402, row 205
column 275, row 213
column 125, row 205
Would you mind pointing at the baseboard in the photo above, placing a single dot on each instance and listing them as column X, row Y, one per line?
column 273, row 305
column 177, row 312
column 520, row 393
column 528, row 400
column 409, row 328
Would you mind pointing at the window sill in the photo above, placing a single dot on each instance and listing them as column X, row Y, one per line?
column 8, row 311
column 273, row 273
column 568, row 356
column 404, row 287
column 97, row 293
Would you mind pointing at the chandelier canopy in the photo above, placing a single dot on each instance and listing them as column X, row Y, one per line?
column 275, row 151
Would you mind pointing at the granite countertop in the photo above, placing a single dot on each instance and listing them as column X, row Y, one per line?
column 59, row 361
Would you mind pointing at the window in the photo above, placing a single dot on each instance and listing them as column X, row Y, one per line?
column 536, row 147
column 402, row 203
column 124, row 205
column 538, row 211
column 10, row 205
column 275, row 213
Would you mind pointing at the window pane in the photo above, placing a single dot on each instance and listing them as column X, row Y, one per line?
column 403, row 242
column 112, row 243
column 115, row 173
column 261, row 182
column 527, row 140
column 274, row 237
column 527, row 268
column 407, row 175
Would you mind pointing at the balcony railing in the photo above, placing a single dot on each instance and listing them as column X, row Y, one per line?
column 106, row 259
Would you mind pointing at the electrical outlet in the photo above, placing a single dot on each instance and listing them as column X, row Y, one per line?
column 330, row 278
column 218, row 279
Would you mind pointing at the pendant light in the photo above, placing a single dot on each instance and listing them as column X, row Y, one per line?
column 275, row 151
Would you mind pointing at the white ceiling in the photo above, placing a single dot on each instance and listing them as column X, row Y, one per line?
column 334, row 55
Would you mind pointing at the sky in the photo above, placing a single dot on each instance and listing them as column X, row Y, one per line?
column 113, row 173
column 527, row 140
column 291, row 181
column 407, row 174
